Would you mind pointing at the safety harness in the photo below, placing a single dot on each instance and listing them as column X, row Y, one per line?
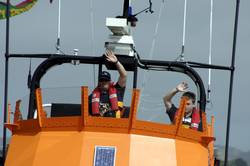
column 191, row 122
column 112, row 98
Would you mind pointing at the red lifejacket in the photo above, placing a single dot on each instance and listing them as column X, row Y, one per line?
column 112, row 98
column 195, row 119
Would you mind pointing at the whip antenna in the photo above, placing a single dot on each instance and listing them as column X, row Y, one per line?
column 181, row 56
column 58, row 42
column 210, row 51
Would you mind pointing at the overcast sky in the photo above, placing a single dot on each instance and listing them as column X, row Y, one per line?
column 36, row 31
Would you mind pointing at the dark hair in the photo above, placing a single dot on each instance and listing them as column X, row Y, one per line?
column 190, row 95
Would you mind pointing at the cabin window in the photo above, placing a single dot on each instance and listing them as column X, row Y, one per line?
column 64, row 97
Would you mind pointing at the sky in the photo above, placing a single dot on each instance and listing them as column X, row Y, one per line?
column 36, row 31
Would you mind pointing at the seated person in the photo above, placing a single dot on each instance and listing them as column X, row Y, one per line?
column 191, row 117
column 107, row 98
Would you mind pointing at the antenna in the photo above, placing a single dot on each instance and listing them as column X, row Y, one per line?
column 184, row 32
column 210, row 52
column 29, row 75
column 181, row 56
column 126, row 6
column 58, row 42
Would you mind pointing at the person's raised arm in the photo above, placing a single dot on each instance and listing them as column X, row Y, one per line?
column 182, row 87
column 110, row 56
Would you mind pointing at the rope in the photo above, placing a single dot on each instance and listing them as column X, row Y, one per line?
column 92, row 38
column 181, row 56
column 210, row 50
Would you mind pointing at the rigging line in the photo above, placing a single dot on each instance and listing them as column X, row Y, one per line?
column 210, row 50
column 181, row 56
column 151, row 54
column 156, row 31
column 92, row 38
column 148, row 9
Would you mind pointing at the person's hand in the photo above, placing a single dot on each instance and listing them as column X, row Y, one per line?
column 110, row 56
column 182, row 87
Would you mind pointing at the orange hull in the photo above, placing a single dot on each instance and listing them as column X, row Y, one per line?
column 77, row 149
column 72, row 140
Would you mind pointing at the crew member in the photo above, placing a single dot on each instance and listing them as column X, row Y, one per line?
column 191, row 117
column 107, row 98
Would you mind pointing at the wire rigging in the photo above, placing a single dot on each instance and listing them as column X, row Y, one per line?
column 148, row 9
column 151, row 54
